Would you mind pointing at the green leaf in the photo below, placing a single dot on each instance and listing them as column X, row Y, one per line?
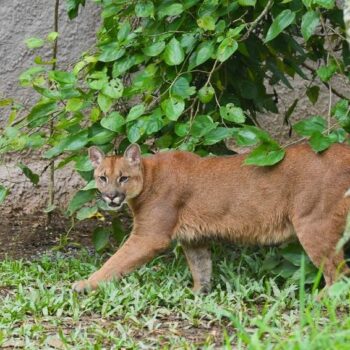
column 234, row 32
column 173, row 54
column 76, row 141
column 33, row 43
column 135, row 112
column 232, row 113
column 280, row 23
column 6, row 102
column 264, row 155
column 82, row 163
column 41, row 112
column 3, row 193
column 86, row 212
column 34, row 178
column 114, row 121
column 226, row 49
column 154, row 49
column 338, row 290
column 102, row 137
column 118, row 231
column 181, row 88
column 164, row 141
column 182, row 129
column 202, row 125
column 111, row 52
column 62, row 77
column 100, row 238
column 206, row 94
column 124, row 30
column 341, row 112
column 104, row 102
column 72, row 142
column 310, row 126
column 217, row 135
column 338, row 135
column 250, row 136
column 312, row 93
column 203, row 53
column 89, row 186
column 29, row 75
column 52, row 36
column 247, row 2
column 72, row 7
column 206, row 23
column 327, row 4
column 292, row 253
column 309, row 23
column 170, row 10
column 144, row 9
column 319, row 142
column 173, row 107
column 79, row 199
column 136, row 131
column 154, row 122
column 114, row 89
column 124, row 64
column 74, row 104
column 325, row 73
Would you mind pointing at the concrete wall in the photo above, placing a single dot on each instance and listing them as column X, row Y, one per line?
column 21, row 19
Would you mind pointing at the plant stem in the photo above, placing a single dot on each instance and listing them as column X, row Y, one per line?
column 51, row 189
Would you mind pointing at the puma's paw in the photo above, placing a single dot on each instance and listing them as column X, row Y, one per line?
column 82, row 286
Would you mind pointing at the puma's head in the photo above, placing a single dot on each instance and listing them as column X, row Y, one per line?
column 118, row 178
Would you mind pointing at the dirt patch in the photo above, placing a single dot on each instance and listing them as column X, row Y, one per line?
column 27, row 236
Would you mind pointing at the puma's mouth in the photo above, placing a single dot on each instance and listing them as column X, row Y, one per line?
column 115, row 206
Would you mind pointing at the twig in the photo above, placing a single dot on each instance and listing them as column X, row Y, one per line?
column 336, row 92
column 329, row 107
column 51, row 189
column 305, row 138
column 257, row 20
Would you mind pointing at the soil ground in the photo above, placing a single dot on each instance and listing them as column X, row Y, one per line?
column 27, row 236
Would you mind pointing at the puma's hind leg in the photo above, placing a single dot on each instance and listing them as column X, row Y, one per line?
column 319, row 238
column 199, row 262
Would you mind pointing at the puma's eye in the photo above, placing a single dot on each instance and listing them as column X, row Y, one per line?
column 123, row 179
column 103, row 178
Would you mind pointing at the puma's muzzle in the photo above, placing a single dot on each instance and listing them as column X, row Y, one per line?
column 114, row 199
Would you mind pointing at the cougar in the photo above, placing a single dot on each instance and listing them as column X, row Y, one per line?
column 180, row 196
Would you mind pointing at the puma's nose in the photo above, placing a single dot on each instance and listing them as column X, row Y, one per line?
column 115, row 197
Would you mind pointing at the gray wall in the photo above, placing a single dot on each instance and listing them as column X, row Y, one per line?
column 21, row 19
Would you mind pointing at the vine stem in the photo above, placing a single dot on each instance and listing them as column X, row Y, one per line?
column 51, row 189
column 257, row 20
column 346, row 14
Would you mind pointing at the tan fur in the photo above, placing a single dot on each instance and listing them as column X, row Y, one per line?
column 178, row 195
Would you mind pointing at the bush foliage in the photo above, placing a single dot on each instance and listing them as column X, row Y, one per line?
column 181, row 74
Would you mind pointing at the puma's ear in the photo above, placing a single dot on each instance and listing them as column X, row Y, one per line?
column 96, row 156
column 133, row 154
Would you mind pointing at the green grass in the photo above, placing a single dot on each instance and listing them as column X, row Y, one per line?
column 155, row 308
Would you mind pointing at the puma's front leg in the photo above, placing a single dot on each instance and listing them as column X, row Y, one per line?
column 199, row 262
column 136, row 251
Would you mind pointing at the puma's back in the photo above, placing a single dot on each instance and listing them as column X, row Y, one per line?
column 223, row 197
